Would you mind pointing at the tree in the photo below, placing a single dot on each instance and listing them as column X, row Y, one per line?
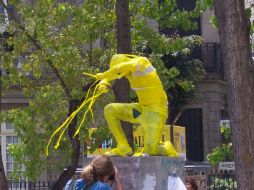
column 53, row 46
column 123, row 35
column 49, row 44
column 234, row 32
column 3, row 179
column 171, row 54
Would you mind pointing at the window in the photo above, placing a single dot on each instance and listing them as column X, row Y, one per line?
column 3, row 18
column 9, row 159
column 8, row 137
column 9, row 126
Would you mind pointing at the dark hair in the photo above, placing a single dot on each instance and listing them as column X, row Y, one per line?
column 193, row 183
column 97, row 169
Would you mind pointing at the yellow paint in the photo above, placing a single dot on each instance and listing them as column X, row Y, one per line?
column 179, row 139
column 150, row 112
column 89, row 102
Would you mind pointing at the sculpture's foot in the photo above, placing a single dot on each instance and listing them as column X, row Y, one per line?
column 120, row 151
column 167, row 149
column 140, row 154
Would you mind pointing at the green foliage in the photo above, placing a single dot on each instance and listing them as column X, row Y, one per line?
column 226, row 132
column 67, row 33
column 64, row 32
column 99, row 136
column 33, row 125
column 178, row 77
column 226, row 183
column 248, row 12
column 207, row 4
column 248, row 15
column 182, row 87
column 225, row 151
column 213, row 21
column 219, row 154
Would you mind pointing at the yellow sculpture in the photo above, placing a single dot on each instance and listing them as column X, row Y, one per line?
column 150, row 112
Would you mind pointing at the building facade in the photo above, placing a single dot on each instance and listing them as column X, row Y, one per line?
column 201, row 118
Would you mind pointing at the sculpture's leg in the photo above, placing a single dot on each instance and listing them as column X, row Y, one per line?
column 167, row 149
column 114, row 114
column 152, row 126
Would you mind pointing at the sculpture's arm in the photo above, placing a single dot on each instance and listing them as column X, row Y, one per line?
column 124, row 69
column 118, row 71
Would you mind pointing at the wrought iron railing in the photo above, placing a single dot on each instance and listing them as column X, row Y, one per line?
column 212, row 58
column 209, row 178
column 25, row 185
column 221, row 180
column 206, row 177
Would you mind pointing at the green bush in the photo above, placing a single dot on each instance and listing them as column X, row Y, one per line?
column 223, row 152
column 225, row 184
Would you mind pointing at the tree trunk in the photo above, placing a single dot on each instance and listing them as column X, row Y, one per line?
column 70, row 170
column 234, row 34
column 122, row 87
column 3, row 180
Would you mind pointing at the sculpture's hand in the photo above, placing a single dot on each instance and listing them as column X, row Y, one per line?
column 103, row 86
column 99, row 76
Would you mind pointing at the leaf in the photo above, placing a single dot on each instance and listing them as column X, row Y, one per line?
column 213, row 21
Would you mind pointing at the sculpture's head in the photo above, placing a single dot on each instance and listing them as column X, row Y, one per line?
column 119, row 58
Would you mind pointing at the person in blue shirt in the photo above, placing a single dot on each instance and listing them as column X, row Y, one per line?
column 99, row 174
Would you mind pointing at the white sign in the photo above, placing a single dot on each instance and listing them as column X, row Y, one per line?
column 227, row 166
column 149, row 182
column 225, row 123
column 3, row 18
column 175, row 183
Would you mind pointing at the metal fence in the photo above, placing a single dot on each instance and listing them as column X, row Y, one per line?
column 24, row 185
column 208, row 178
column 211, row 57
column 221, row 181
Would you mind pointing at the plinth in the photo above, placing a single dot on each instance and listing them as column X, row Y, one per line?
column 147, row 173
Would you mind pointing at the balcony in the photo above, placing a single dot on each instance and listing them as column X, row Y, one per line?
column 212, row 60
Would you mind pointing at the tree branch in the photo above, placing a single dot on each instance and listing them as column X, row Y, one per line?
column 14, row 15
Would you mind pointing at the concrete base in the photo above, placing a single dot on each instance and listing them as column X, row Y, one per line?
column 147, row 173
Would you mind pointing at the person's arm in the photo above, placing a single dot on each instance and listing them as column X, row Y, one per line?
column 117, row 182
column 118, row 185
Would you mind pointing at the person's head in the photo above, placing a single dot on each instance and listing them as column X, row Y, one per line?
column 191, row 184
column 100, row 168
column 119, row 58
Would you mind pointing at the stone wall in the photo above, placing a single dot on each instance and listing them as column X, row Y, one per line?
column 212, row 99
column 146, row 173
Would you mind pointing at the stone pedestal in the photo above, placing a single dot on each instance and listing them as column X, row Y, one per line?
column 146, row 173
